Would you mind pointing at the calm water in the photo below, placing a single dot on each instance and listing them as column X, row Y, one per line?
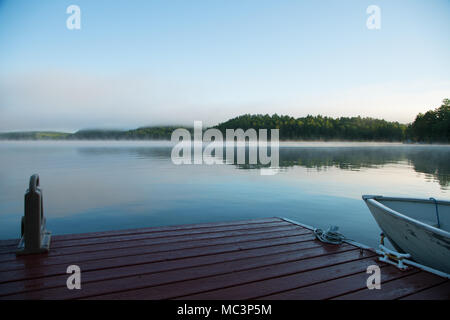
column 92, row 186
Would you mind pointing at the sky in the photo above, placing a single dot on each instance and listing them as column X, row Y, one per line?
column 155, row 62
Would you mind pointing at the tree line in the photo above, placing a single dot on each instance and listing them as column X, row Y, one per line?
column 321, row 128
column 433, row 126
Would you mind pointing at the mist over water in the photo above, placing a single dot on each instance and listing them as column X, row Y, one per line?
column 93, row 186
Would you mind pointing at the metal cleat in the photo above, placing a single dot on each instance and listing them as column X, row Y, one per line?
column 393, row 257
column 34, row 237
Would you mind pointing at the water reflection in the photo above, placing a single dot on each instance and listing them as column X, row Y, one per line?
column 432, row 161
column 95, row 186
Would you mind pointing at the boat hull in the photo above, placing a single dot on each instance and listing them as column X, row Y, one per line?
column 426, row 244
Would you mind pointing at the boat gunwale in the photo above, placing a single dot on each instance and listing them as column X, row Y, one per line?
column 405, row 199
column 373, row 200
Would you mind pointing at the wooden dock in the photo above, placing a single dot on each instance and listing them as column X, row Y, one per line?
column 257, row 259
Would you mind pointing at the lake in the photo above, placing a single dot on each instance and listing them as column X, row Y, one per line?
column 97, row 185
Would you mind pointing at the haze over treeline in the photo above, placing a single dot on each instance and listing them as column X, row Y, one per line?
column 433, row 126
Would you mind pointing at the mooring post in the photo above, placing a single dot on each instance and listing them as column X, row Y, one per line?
column 35, row 238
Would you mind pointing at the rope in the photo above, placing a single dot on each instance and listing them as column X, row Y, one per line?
column 437, row 212
column 332, row 235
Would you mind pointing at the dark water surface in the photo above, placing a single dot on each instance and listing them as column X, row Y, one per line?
column 93, row 186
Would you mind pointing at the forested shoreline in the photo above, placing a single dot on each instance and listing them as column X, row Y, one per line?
column 433, row 126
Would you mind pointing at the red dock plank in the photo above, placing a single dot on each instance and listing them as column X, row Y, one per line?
column 266, row 259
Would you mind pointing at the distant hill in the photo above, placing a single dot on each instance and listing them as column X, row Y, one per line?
column 144, row 133
column 34, row 135
column 433, row 126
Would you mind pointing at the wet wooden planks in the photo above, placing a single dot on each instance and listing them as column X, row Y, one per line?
column 256, row 259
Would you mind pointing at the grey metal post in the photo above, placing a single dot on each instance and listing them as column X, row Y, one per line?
column 35, row 238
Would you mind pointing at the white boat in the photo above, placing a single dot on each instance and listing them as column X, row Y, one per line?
column 420, row 227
